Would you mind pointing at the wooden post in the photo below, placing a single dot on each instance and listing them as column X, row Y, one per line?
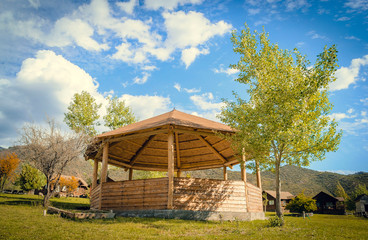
column 130, row 174
column 105, row 158
column 244, row 178
column 259, row 182
column 170, row 168
column 178, row 173
column 95, row 173
column 225, row 173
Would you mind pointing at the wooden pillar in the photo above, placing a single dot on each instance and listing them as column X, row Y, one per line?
column 178, row 173
column 105, row 158
column 130, row 173
column 225, row 173
column 244, row 178
column 95, row 173
column 258, row 172
column 170, row 168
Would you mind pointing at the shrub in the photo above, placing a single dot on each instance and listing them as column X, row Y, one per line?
column 275, row 221
column 301, row 203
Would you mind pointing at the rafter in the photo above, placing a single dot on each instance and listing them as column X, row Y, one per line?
column 212, row 149
column 140, row 150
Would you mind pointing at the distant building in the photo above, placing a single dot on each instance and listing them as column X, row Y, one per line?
column 328, row 204
column 361, row 204
column 271, row 200
column 80, row 190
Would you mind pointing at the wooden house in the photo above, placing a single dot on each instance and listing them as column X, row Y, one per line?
column 172, row 142
column 81, row 189
column 271, row 200
column 361, row 204
column 328, row 204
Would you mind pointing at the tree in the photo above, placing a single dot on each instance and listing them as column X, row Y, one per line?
column 31, row 178
column 284, row 118
column 82, row 113
column 117, row 114
column 301, row 203
column 51, row 151
column 8, row 163
column 340, row 191
column 69, row 183
column 265, row 201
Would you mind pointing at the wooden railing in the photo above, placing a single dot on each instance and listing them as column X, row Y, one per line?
column 189, row 194
column 209, row 195
column 254, row 198
column 95, row 197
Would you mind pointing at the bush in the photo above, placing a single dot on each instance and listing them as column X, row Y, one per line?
column 301, row 203
column 275, row 221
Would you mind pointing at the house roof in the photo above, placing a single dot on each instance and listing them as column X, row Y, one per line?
column 340, row 199
column 284, row 195
column 80, row 180
column 362, row 196
column 144, row 145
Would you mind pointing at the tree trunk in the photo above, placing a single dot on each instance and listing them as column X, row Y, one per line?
column 278, row 192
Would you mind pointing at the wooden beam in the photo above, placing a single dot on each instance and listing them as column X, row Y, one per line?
column 212, row 149
column 140, row 150
column 225, row 173
column 177, row 150
column 258, row 172
column 197, row 132
column 131, row 174
column 170, row 168
column 137, row 135
column 178, row 173
column 105, row 158
column 95, row 173
column 244, row 178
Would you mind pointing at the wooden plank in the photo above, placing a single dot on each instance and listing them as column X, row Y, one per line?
column 137, row 135
column 140, row 150
column 105, row 156
column 225, row 173
column 170, row 168
column 95, row 173
column 131, row 174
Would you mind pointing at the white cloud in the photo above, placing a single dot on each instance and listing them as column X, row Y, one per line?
column 352, row 38
column 343, row 19
column 43, row 87
column 359, row 5
column 205, row 102
column 146, row 106
column 168, row 4
column 253, row 11
column 315, row 35
column 345, row 76
column 190, row 54
column 364, row 101
column 35, row 3
column 177, row 87
column 192, row 90
column 127, row 7
column 143, row 79
column 228, row 71
column 296, row 4
column 191, row 29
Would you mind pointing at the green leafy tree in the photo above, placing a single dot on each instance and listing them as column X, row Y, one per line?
column 82, row 113
column 301, row 203
column 31, row 178
column 340, row 191
column 284, row 118
column 139, row 174
column 118, row 114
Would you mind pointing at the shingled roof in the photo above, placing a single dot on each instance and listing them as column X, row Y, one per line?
column 143, row 145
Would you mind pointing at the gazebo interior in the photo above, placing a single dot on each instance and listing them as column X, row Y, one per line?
column 172, row 142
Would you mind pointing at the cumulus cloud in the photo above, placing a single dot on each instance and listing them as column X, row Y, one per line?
column 359, row 5
column 168, row 4
column 352, row 124
column 145, row 106
column 143, row 79
column 177, row 87
column 315, row 35
column 127, row 7
column 345, row 76
column 205, row 102
column 227, row 71
column 190, row 54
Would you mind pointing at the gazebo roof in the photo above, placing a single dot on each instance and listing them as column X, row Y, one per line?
column 144, row 145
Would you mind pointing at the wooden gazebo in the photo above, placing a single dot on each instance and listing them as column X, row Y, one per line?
column 172, row 142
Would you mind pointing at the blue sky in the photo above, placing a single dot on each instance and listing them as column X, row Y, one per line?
column 157, row 55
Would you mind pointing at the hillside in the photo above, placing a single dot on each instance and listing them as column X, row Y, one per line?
column 293, row 179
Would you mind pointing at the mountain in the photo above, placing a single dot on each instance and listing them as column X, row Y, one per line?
column 293, row 179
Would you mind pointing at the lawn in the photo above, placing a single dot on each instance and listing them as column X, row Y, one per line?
column 21, row 217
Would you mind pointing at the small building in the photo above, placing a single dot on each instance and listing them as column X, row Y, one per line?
column 271, row 200
column 361, row 204
column 328, row 204
column 172, row 142
column 79, row 191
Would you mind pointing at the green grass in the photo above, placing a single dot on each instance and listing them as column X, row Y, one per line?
column 21, row 218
